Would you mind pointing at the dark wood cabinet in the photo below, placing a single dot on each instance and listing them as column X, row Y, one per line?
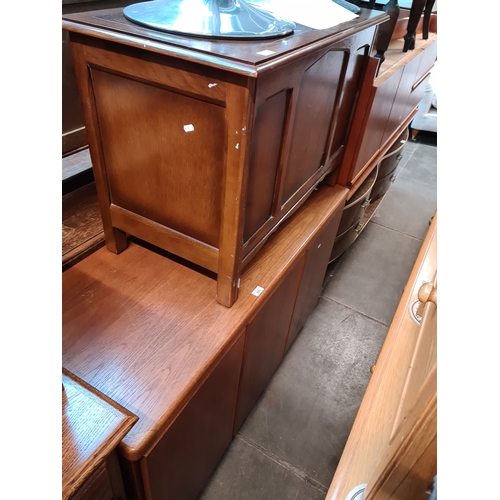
column 204, row 147
column 316, row 261
column 389, row 98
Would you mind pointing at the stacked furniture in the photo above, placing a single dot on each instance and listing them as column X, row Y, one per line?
column 222, row 170
column 246, row 130
column 388, row 102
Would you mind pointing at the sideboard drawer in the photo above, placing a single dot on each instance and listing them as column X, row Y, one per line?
column 392, row 158
column 97, row 486
column 356, row 207
column 345, row 240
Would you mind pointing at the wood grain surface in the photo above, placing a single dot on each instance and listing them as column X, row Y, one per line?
column 386, row 106
column 82, row 231
column 368, row 450
column 92, row 427
column 186, row 133
column 147, row 331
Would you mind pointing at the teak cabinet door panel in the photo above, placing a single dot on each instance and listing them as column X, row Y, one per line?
column 265, row 342
column 318, row 254
column 181, row 462
column 162, row 150
column 315, row 111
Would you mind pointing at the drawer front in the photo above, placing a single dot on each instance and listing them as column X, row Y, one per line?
column 352, row 214
column 383, row 185
column 345, row 240
column 356, row 207
column 392, row 158
column 97, row 487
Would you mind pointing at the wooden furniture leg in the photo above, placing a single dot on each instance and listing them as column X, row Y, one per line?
column 386, row 29
column 417, row 7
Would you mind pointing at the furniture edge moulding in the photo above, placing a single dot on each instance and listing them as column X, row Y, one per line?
column 83, row 24
column 361, row 116
column 77, row 29
column 268, row 65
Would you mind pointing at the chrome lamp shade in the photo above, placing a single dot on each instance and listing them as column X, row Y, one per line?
column 230, row 19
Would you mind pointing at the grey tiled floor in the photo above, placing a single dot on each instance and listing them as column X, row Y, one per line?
column 291, row 443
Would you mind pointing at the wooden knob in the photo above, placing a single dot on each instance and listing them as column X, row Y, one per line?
column 427, row 293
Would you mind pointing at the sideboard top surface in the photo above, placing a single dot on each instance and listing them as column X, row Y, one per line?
column 146, row 331
column 241, row 56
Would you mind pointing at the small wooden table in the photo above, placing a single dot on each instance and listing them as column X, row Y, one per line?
column 92, row 427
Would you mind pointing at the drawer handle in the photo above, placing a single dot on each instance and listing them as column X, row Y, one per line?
column 365, row 203
column 399, row 157
column 359, row 227
column 428, row 293
column 393, row 177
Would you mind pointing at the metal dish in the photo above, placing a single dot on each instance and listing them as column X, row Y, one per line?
column 209, row 18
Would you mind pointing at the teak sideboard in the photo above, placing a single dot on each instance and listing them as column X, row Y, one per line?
column 146, row 332
column 204, row 147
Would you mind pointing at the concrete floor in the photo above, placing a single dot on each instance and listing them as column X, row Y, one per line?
column 290, row 444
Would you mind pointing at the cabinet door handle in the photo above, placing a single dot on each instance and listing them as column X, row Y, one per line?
column 426, row 293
